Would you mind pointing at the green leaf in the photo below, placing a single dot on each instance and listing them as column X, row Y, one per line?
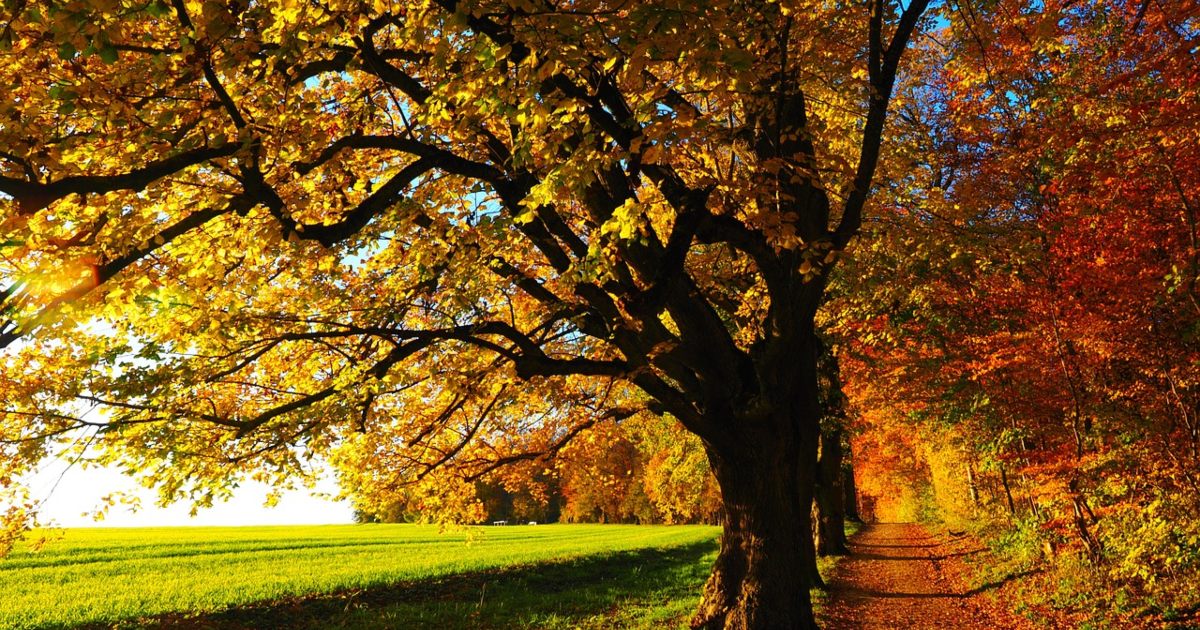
column 62, row 91
column 66, row 51
column 157, row 9
column 108, row 54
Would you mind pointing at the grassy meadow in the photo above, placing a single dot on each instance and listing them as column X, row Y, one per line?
column 359, row 576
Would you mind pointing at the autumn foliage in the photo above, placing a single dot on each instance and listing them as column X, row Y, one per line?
column 1037, row 371
column 645, row 470
column 657, row 260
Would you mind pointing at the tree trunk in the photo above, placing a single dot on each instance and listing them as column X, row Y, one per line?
column 1012, row 507
column 814, row 571
column 1091, row 543
column 831, row 510
column 760, row 580
column 971, row 485
column 763, row 452
column 850, row 493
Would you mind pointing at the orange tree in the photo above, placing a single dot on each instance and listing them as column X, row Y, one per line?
column 428, row 239
column 1032, row 303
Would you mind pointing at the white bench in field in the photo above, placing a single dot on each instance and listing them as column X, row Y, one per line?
column 533, row 522
column 499, row 522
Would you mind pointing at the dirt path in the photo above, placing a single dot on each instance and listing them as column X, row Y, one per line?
column 902, row 576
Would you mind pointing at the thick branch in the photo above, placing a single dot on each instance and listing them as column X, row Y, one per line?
column 881, row 67
column 32, row 196
column 358, row 217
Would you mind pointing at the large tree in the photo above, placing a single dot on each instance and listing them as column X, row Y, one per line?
column 437, row 236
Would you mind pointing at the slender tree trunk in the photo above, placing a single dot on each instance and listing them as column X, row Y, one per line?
column 850, row 492
column 971, row 484
column 1083, row 514
column 1012, row 507
column 1094, row 550
column 831, row 510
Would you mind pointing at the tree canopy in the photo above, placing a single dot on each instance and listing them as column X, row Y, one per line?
column 428, row 239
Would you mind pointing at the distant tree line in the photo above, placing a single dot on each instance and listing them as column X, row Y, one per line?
column 645, row 471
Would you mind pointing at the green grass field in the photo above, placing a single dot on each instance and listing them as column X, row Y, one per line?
column 360, row 576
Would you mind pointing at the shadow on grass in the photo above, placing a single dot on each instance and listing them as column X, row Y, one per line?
column 634, row 589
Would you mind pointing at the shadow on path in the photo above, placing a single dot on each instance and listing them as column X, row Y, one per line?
column 901, row 576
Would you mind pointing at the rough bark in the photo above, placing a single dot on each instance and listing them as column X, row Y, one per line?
column 759, row 579
column 767, row 474
column 829, row 507
column 813, row 569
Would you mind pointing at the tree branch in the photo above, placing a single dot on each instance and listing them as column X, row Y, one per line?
column 32, row 196
column 881, row 66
